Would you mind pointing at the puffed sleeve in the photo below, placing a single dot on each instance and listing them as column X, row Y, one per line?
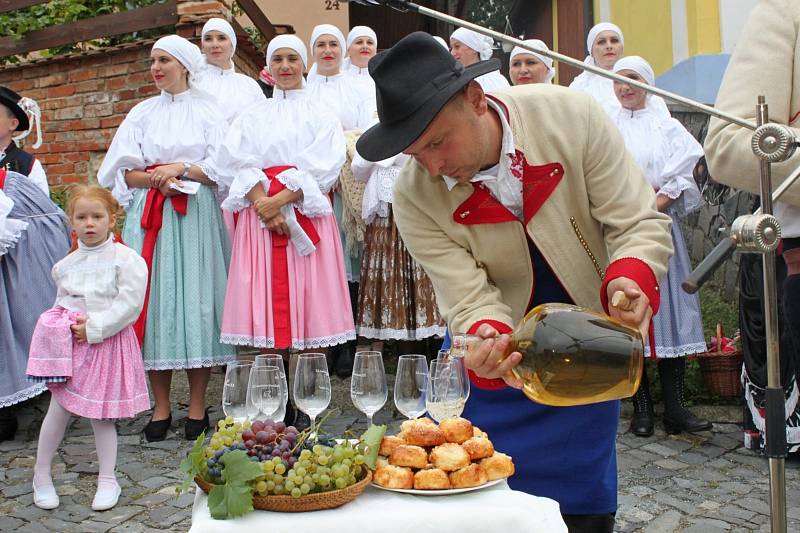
column 125, row 153
column 131, row 276
column 318, row 165
column 215, row 136
column 10, row 229
column 677, row 174
column 39, row 177
column 238, row 163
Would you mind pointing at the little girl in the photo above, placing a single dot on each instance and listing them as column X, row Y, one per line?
column 85, row 347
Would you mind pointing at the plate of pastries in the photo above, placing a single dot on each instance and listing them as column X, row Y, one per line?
column 429, row 459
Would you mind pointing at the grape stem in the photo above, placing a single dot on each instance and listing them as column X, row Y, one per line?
column 314, row 428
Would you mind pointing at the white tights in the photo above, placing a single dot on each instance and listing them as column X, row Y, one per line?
column 51, row 435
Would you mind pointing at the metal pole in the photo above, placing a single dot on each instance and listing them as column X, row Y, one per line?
column 776, row 416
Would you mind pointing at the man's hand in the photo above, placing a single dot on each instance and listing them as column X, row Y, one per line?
column 486, row 357
column 636, row 312
column 79, row 329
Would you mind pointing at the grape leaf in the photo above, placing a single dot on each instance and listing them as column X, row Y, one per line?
column 194, row 464
column 230, row 500
column 239, row 468
column 372, row 438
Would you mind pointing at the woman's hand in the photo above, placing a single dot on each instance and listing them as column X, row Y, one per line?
column 165, row 172
column 79, row 329
column 166, row 189
column 268, row 207
column 278, row 225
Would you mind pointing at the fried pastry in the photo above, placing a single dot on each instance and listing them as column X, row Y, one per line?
column 427, row 435
column 469, row 476
column 394, row 477
column 416, row 422
column 456, row 429
column 478, row 448
column 433, row 479
column 411, row 456
column 478, row 432
column 498, row 466
column 389, row 443
column 449, row 456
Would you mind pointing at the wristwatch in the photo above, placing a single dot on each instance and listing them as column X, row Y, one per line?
column 186, row 168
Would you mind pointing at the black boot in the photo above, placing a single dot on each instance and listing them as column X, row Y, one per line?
column 642, row 424
column 8, row 424
column 344, row 363
column 677, row 418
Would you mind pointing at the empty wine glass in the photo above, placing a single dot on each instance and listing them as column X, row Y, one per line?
column 448, row 356
column 368, row 388
column 234, row 390
column 447, row 389
column 410, row 385
column 276, row 361
column 264, row 393
column 312, row 385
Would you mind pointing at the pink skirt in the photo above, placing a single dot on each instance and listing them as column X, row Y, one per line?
column 108, row 378
column 319, row 300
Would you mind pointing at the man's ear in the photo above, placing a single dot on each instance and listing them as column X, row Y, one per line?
column 14, row 124
column 475, row 97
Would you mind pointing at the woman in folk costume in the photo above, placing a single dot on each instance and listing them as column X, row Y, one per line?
column 604, row 43
column 234, row 91
column 396, row 299
column 362, row 45
column 469, row 47
column 287, row 287
column 667, row 154
column 159, row 167
column 529, row 67
column 34, row 235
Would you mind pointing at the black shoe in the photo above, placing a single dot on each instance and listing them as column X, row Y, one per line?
column 344, row 363
column 156, row 430
column 642, row 424
column 8, row 424
column 685, row 421
column 195, row 427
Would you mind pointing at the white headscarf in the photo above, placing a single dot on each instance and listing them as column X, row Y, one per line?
column 222, row 26
column 442, row 42
column 597, row 30
column 326, row 29
column 292, row 42
column 189, row 55
column 361, row 31
column 639, row 66
column 536, row 43
column 478, row 42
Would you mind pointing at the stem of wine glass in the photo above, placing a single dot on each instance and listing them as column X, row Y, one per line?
column 369, row 421
column 313, row 434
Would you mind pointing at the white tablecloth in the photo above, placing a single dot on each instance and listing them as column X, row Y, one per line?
column 496, row 508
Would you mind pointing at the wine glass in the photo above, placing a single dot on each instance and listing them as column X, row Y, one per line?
column 264, row 393
column 234, row 390
column 312, row 384
column 410, row 385
column 276, row 361
column 447, row 389
column 368, row 388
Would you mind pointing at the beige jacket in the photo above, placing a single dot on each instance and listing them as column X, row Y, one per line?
column 482, row 270
column 766, row 62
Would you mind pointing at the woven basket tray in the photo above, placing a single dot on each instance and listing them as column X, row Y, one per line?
column 309, row 502
column 722, row 371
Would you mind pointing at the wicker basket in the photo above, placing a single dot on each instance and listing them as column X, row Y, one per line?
column 309, row 502
column 722, row 371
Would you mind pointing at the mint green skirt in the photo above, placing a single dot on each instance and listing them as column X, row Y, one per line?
column 187, row 283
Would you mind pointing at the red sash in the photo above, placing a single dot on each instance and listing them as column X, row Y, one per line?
column 281, row 305
column 152, row 217
column 2, row 177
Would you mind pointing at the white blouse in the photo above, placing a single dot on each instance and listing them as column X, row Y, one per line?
column 106, row 282
column 345, row 97
column 160, row 130
column 234, row 92
column 666, row 153
column 10, row 229
column 39, row 177
column 380, row 177
column 288, row 129
column 492, row 81
column 366, row 84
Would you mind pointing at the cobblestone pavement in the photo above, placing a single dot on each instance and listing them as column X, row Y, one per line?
column 688, row 483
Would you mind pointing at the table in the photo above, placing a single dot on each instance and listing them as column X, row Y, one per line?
column 496, row 508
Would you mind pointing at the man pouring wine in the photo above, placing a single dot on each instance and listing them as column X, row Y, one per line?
column 513, row 199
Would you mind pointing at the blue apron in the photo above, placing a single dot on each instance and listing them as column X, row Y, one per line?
column 567, row 454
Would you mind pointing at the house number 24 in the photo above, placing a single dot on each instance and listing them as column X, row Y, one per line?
column 331, row 5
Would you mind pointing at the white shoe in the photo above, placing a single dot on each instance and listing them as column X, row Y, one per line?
column 46, row 497
column 105, row 499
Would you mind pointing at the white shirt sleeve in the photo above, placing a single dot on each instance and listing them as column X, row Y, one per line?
column 125, row 153
column 677, row 175
column 131, row 278
column 39, row 177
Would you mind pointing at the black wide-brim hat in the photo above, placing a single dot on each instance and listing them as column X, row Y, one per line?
column 10, row 99
column 414, row 79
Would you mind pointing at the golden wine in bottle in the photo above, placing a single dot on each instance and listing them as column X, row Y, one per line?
column 571, row 355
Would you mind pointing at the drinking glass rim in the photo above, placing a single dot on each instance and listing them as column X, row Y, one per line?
column 413, row 356
column 234, row 364
column 369, row 353
column 310, row 355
